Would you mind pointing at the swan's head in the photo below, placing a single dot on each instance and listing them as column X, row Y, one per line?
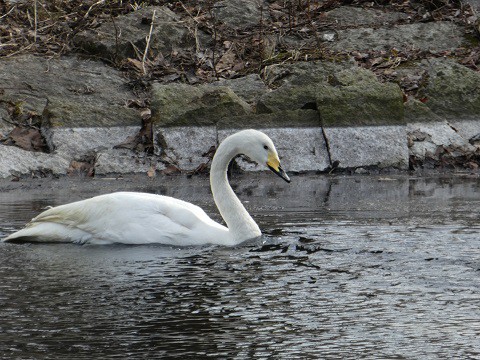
column 259, row 147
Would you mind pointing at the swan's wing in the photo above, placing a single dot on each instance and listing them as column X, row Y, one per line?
column 133, row 218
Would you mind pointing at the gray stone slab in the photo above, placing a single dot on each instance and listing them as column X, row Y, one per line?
column 350, row 16
column 16, row 161
column 76, row 142
column 239, row 14
column 73, row 144
column 279, row 119
column 438, row 36
column 185, row 146
column 126, row 36
column 122, row 161
column 299, row 149
column 69, row 92
column 467, row 129
column 381, row 146
column 475, row 4
column 426, row 138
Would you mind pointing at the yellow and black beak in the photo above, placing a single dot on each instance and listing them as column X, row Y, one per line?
column 274, row 164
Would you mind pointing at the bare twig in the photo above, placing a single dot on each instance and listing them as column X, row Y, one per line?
column 8, row 13
column 91, row 7
column 116, row 35
column 195, row 30
column 148, row 43
column 189, row 13
column 35, row 17
column 212, row 15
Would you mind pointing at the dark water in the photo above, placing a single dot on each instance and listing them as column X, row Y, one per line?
column 349, row 268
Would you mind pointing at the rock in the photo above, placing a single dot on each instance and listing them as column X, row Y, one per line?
column 436, row 138
column 467, row 129
column 249, row 88
column 81, row 107
column 289, row 98
column 475, row 4
column 239, row 14
column 342, row 93
column 300, row 149
column 296, row 85
column 349, row 16
column 72, row 142
column 417, row 112
column 381, row 146
column 292, row 118
column 303, row 72
column 121, row 161
column 125, row 37
column 355, row 97
column 187, row 105
column 438, row 36
column 187, row 147
column 67, row 92
column 16, row 161
column 452, row 90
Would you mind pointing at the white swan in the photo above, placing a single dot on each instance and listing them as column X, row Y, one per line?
column 140, row 218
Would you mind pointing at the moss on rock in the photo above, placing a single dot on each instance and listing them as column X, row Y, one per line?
column 452, row 90
column 187, row 105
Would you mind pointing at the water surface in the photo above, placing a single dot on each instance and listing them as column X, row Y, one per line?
column 349, row 267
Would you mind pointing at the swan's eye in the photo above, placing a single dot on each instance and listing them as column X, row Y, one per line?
column 265, row 147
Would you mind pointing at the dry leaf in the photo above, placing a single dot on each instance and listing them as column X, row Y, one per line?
column 151, row 172
column 226, row 62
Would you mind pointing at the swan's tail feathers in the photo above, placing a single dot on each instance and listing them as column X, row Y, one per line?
column 48, row 233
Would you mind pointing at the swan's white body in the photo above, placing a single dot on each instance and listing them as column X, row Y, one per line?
column 141, row 218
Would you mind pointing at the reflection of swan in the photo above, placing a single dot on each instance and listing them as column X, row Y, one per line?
column 140, row 218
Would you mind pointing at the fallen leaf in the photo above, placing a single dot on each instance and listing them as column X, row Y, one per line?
column 151, row 172
column 226, row 62
column 136, row 64
column 84, row 167
column 171, row 170
column 26, row 138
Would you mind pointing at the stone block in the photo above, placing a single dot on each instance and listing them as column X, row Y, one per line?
column 381, row 146
column 343, row 94
column 187, row 105
column 299, row 149
column 122, row 161
column 249, row 88
column 239, row 14
column 361, row 102
column 425, row 139
column 350, row 16
column 16, row 161
column 279, row 119
column 438, row 36
column 452, row 91
column 126, row 36
column 185, row 147
column 79, row 141
column 67, row 92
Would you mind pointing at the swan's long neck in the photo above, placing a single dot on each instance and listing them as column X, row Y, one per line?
column 240, row 224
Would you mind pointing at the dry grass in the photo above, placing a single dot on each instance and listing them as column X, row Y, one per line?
column 47, row 27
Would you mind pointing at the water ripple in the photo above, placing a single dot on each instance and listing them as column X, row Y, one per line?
column 320, row 284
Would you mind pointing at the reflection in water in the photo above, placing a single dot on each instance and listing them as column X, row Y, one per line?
column 350, row 267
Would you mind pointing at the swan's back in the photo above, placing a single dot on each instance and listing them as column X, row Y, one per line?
column 124, row 217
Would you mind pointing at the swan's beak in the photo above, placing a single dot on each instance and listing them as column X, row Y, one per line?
column 274, row 164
